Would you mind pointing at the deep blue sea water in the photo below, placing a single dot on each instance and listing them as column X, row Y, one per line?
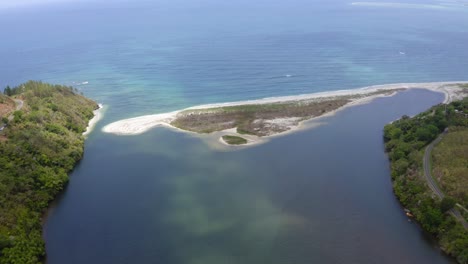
column 166, row 198
column 144, row 57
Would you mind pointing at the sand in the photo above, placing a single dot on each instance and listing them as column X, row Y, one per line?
column 142, row 124
column 92, row 123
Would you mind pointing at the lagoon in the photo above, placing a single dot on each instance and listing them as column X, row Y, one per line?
column 321, row 195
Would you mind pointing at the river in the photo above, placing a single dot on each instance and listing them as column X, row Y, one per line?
column 322, row 195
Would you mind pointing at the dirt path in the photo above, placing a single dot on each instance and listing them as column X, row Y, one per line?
column 19, row 105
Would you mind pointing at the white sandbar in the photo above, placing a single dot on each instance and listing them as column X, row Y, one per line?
column 139, row 125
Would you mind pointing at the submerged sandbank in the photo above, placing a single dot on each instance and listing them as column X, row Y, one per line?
column 287, row 115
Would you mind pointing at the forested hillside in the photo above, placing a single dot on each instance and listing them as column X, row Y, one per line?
column 7, row 105
column 38, row 147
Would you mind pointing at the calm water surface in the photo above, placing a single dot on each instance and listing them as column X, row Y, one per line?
column 317, row 196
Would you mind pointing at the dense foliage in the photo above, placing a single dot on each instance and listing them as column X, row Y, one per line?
column 234, row 140
column 6, row 107
column 405, row 140
column 38, row 148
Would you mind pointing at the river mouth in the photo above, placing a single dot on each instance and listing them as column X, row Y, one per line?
column 321, row 195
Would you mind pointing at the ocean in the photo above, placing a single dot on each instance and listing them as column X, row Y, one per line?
column 165, row 197
column 142, row 57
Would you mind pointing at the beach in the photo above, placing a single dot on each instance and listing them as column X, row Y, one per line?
column 138, row 125
column 98, row 113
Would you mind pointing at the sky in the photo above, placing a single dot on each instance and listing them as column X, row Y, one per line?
column 8, row 4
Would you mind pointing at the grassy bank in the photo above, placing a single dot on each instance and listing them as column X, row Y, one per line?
column 234, row 140
column 252, row 119
column 262, row 119
column 405, row 140
column 7, row 106
column 38, row 147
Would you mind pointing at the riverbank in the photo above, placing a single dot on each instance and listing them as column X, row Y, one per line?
column 40, row 146
column 255, row 120
column 98, row 114
column 248, row 199
column 409, row 143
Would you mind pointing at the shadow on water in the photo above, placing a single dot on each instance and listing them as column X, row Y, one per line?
column 318, row 196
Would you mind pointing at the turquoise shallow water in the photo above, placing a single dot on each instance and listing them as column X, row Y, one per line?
column 164, row 197
column 147, row 57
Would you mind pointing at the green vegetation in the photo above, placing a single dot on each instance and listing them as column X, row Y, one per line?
column 38, row 148
column 7, row 105
column 450, row 164
column 263, row 119
column 3, row 99
column 447, row 203
column 250, row 119
column 234, row 140
column 405, row 141
column 8, row 91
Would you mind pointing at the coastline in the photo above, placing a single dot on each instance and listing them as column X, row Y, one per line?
column 433, row 86
column 414, row 185
column 139, row 125
column 48, row 157
column 98, row 113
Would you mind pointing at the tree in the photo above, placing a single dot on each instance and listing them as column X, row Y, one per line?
column 431, row 218
column 400, row 166
column 7, row 91
column 391, row 132
column 18, row 116
column 447, row 204
column 426, row 133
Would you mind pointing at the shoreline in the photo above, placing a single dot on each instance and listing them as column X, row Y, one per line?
column 142, row 124
column 433, row 86
column 93, row 121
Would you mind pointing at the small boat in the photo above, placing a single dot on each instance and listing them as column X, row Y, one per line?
column 402, row 53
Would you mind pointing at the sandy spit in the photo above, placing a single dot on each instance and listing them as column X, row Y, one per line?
column 98, row 113
column 139, row 125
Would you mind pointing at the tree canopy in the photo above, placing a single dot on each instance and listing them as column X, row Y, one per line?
column 38, row 148
column 405, row 140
